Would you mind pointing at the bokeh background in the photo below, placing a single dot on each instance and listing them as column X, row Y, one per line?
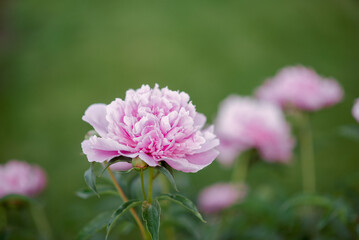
column 59, row 57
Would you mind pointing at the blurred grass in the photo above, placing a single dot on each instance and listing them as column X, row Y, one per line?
column 57, row 58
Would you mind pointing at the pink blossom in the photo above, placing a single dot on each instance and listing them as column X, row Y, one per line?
column 355, row 110
column 152, row 124
column 302, row 88
column 244, row 123
column 18, row 177
column 220, row 196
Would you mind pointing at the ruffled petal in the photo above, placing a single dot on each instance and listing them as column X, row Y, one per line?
column 100, row 149
column 148, row 159
column 95, row 115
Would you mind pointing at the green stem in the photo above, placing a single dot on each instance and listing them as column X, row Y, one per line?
column 241, row 167
column 144, row 234
column 150, row 182
column 143, row 185
column 307, row 156
column 41, row 221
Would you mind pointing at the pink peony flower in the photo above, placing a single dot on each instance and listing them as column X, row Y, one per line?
column 18, row 177
column 355, row 110
column 244, row 123
column 221, row 196
column 300, row 87
column 152, row 124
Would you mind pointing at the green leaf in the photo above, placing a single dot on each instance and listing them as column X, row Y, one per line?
column 118, row 213
column 90, row 178
column 184, row 202
column 17, row 198
column 151, row 215
column 115, row 160
column 102, row 190
column 168, row 175
column 94, row 226
column 350, row 131
column 308, row 200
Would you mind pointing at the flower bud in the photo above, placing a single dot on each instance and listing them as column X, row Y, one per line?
column 138, row 164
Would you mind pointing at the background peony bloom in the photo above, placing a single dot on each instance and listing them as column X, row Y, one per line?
column 18, row 177
column 154, row 125
column 355, row 110
column 244, row 123
column 220, row 196
column 301, row 87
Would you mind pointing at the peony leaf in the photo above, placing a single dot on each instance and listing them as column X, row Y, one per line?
column 168, row 175
column 90, row 179
column 102, row 190
column 184, row 202
column 94, row 226
column 350, row 131
column 118, row 213
column 151, row 215
column 17, row 198
column 116, row 160
column 308, row 200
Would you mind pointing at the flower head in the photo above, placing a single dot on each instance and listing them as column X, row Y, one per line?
column 244, row 123
column 302, row 88
column 18, row 177
column 355, row 110
column 152, row 124
column 220, row 196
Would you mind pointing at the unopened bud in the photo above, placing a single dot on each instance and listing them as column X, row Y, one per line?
column 138, row 164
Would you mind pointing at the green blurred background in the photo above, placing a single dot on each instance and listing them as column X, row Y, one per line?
column 59, row 57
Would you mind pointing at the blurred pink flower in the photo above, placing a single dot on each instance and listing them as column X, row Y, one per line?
column 244, row 123
column 154, row 125
column 302, row 88
column 18, row 177
column 220, row 196
column 355, row 110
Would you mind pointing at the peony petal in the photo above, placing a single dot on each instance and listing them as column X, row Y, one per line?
column 203, row 159
column 148, row 159
column 95, row 115
column 121, row 166
column 182, row 165
column 100, row 149
column 200, row 120
column 211, row 140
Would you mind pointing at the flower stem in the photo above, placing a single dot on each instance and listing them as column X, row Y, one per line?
column 125, row 199
column 307, row 156
column 143, row 186
column 241, row 168
column 150, row 182
column 41, row 221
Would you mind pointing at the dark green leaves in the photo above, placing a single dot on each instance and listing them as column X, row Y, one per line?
column 151, row 215
column 184, row 202
column 101, row 190
column 90, row 178
column 168, row 175
column 95, row 225
column 17, row 198
column 119, row 212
